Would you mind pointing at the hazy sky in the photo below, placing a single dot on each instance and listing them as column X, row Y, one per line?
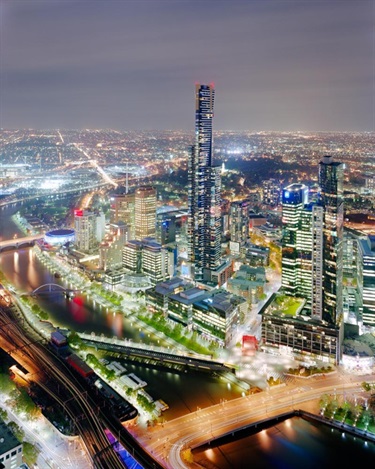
column 124, row 64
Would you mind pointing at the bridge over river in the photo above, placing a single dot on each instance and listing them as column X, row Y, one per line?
column 52, row 288
column 159, row 356
column 16, row 243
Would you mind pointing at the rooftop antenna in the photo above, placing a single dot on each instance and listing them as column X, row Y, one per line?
column 127, row 179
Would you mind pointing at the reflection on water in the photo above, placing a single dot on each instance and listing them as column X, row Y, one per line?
column 293, row 444
column 182, row 392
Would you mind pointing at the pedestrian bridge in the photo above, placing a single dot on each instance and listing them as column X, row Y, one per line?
column 53, row 288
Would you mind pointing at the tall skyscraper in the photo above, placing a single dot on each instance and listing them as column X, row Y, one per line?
column 331, row 180
column 145, row 212
column 367, row 278
column 294, row 199
column 204, row 222
column 312, row 264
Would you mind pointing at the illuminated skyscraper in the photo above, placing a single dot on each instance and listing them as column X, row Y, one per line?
column 122, row 209
column 312, row 266
column 204, row 223
column 145, row 212
column 331, row 180
column 294, row 199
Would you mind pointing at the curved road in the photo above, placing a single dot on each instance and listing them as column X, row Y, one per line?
column 168, row 441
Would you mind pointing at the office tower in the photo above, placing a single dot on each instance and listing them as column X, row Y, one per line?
column 367, row 278
column 99, row 226
column 110, row 250
column 294, row 199
column 165, row 228
column 122, row 209
column 302, row 247
column 145, row 212
column 146, row 257
column 317, row 267
column 331, row 179
column 312, row 267
column 204, row 222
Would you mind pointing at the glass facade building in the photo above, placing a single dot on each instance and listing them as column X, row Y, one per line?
column 204, row 196
column 145, row 212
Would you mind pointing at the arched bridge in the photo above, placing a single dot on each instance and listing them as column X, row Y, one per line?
column 52, row 288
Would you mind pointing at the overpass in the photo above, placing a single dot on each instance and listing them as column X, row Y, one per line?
column 16, row 243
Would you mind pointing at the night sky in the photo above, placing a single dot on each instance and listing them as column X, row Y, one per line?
column 132, row 65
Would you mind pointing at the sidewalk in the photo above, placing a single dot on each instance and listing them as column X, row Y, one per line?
column 56, row 450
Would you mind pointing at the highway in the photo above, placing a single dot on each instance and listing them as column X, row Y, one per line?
column 168, row 441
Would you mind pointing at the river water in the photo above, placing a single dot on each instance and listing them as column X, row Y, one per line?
column 182, row 392
column 292, row 444
column 295, row 443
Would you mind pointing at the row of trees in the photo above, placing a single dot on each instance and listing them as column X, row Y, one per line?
column 20, row 402
column 349, row 410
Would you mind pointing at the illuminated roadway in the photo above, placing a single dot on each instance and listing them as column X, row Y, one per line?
column 51, row 373
column 166, row 442
column 18, row 242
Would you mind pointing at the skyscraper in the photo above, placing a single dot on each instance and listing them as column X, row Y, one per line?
column 331, row 180
column 204, row 222
column 122, row 209
column 145, row 212
column 312, row 266
column 294, row 199
column 89, row 229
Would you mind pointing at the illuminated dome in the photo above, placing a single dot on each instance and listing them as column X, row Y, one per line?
column 59, row 237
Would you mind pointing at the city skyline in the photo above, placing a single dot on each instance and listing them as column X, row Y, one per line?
column 277, row 65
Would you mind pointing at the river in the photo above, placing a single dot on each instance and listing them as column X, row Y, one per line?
column 182, row 392
column 292, row 444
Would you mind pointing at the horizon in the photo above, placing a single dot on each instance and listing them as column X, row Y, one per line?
column 277, row 65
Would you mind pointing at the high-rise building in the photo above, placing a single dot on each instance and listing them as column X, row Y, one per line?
column 294, row 199
column 367, row 278
column 146, row 257
column 89, row 227
column 331, row 180
column 122, row 209
column 312, row 266
column 239, row 221
column 145, row 212
column 271, row 192
column 204, row 223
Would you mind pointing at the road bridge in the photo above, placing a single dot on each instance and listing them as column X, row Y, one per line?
column 16, row 243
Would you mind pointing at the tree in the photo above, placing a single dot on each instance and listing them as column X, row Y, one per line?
column 3, row 415
column 6, row 384
column 16, row 430
column 30, row 453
